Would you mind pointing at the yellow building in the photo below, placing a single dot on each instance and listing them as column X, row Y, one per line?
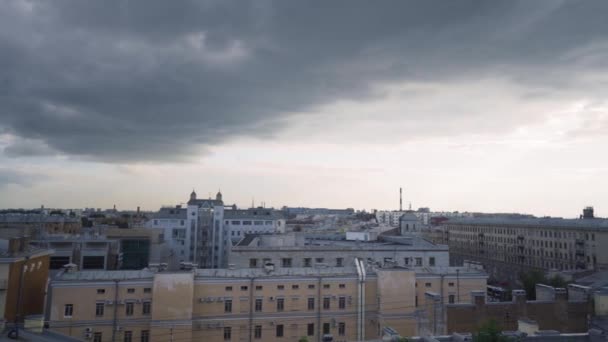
column 349, row 303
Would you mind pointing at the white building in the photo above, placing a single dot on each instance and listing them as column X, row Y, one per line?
column 209, row 240
column 253, row 221
column 173, row 221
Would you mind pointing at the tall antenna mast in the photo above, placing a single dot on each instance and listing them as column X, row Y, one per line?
column 400, row 199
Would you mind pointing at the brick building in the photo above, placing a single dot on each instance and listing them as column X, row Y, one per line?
column 556, row 311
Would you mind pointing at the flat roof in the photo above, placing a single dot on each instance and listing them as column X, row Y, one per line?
column 595, row 223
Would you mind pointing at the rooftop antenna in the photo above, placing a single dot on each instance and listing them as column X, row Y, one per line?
column 252, row 202
column 410, row 206
column 400, row 199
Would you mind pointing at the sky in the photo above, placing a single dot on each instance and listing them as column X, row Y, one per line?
column 493, row 106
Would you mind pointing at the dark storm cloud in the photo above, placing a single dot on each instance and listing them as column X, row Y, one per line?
column 157, row 80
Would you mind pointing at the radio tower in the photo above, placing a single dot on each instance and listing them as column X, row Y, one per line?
column 400, row 199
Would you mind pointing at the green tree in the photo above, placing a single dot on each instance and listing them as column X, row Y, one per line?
column 303, row 339
column 531, row 278
column 489, row 332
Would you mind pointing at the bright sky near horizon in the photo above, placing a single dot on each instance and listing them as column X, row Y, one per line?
column 494, row 106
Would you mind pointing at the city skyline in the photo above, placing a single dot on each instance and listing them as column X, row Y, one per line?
column 491, row 107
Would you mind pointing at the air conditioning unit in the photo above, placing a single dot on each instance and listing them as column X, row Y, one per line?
column 201, row 300
column 271, row 299
column 210, row 299
column 220, row 299
column 334, row 297
column 271, row 323
column 88, row 336
column 109, row 302
column 118, row 328
column 88, row 330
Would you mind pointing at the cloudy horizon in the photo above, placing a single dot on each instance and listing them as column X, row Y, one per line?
column 468, row 105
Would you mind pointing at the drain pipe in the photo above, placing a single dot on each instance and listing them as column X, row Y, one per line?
column 115, row 320
column 363, row 299
column 360, row 277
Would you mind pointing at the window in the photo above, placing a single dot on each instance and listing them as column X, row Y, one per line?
column 326, row 303
column 339, row 262
column 319, row 260
column 228, row 288
column 101, row 291
column 341, row 329
column 258, row 304
column 129, row 309
column 97, row 337
column 342, row 303
column 451, row 299
column 286, row 262
column 227, row 333
column 57, row 262
column 259, row 288
column 342, row 286
column 257, row 332
column 68, row 309
column 295, row 287
column 451, row 284
column 228, row 305
column 326, row 328
column 146, row 308
column 418, row 261
column 280, row 304
column 416, row 302
column 130, row 290
column 99, row 309
column 236, row 223
column 93, row 262
column 326, row 286
column 311, row 303
column 147, row 290
column 145, row 336
column 431, row 261
column 280, row 287
column 253, row 263
column 307, row 262
column 244, row 288
column 280, row 330
column 246, row 223
column 128, row 336
column 310, row 329
column 406, row 261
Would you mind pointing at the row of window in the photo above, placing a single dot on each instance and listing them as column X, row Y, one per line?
column 144, row 336
column 527, row 232
column 146, row 309
column 249, row 223
column 280, row 304
column 279, row 330
column 282, row 287
column 129, row 290
column 307, row 262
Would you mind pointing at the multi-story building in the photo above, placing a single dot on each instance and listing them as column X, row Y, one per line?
column 507, row 245
column 295, row 250
column 208, row 241
column 239, row 222
column 24, row 272
column 317, row 211
column 348, row 303
column 36, row 223
column 87, row 252
column 173, row 221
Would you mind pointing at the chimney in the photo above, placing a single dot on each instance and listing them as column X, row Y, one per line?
column 519, row 296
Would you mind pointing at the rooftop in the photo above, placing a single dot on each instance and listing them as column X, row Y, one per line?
column 256, row 213
column 595, row 223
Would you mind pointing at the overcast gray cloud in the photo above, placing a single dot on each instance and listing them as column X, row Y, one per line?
column 15, row 177
column 159, row 80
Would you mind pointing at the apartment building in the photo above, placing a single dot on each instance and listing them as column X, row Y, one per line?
column 511, row 244
column 173, row 222
column 36, row 223
column 348, row 303
column 239, row 222
column 296, row 250
column 207, row 239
